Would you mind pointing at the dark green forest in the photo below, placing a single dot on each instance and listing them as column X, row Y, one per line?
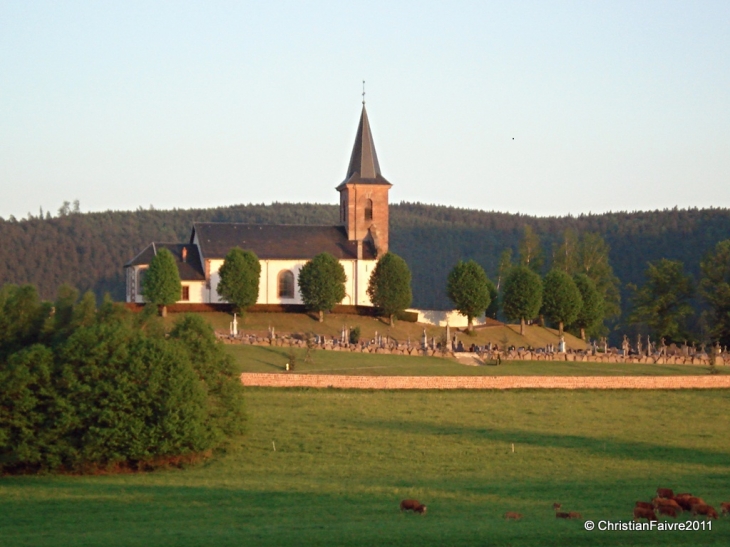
column 88, row 250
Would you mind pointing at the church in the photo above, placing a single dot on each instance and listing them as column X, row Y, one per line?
column 357, row 242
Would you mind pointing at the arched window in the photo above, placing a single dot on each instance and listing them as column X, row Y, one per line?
column 369, row 209
column 286, row 284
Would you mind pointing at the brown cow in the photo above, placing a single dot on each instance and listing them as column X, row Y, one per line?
column 704, row 509
column 644, row 505
column 641, row 513
column 665, row 493
column 511, row 515
column 413, row 505
column 574, row 515
column 668, row 510
column 662, row 502
column 556, row 506
column 725, row 507
column 686, row 502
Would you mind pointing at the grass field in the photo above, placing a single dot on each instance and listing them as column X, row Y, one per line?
column 274, row 359
column 344, row 460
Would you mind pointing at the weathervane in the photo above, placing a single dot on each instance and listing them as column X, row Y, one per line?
column 363, row 92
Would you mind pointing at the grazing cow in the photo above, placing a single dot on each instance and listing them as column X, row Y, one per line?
column 644, row 505
column 665, row 493
column 668, row 510
column 642, row 513
column 556, row 506
column 511, row 515
column 574, row 515
column 413, row 505
column 559, row 515
column 725, row 507
column 704, row 509
column 662, row 502
column 686, row 502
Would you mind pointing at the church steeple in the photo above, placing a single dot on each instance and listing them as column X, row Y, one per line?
column 364, row 192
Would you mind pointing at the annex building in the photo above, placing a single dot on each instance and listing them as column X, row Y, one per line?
column 357, row 241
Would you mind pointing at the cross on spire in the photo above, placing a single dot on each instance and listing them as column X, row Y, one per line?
column 363, row 92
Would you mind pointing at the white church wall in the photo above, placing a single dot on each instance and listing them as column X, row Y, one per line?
column 442, row 318
column 357, row 271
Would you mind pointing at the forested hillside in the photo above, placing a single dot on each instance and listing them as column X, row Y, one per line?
column 88, row 250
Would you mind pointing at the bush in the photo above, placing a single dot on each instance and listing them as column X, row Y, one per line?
column 355, row 335
column 105, row 389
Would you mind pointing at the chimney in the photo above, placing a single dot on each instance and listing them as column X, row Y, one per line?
column 185, row 254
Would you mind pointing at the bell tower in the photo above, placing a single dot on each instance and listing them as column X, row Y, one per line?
column 364, row 192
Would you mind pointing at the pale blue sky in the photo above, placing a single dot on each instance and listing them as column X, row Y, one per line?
column 612, row 105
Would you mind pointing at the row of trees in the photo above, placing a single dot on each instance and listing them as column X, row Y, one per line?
column 321, row 282
column 663, row 303
column 83, row 388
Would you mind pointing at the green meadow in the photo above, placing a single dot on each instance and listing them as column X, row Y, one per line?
column 329, row 467
column 274, row 359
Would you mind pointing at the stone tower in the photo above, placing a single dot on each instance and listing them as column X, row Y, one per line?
column 364, row 193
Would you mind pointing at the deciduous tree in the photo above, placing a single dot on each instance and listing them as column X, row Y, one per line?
column 322, row 283
column 468, row 289
column 591, row 312
column 522, row 295
column 662, row 303
column 161, row 284
column 715, row 290
column 240, row 275
column 561, row 299
column 390, row 285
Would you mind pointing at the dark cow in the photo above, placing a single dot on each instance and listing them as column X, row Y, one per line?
column 641, row 513
column 413, row 505
column 559, row 515
column 667, row 510
column 662, row 502
column 704, row 509
column 644, row 505
column 665, row 493
column 686, row 502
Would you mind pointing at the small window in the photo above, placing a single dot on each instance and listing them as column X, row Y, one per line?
column 286, row 284
column 369, row 209
column 185, row 296
column 140, row 280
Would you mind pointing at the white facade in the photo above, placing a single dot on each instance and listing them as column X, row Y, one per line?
column 358, row 274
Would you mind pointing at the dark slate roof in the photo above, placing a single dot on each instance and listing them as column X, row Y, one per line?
column 190, row 270
column 280, row 241
column 364, row 167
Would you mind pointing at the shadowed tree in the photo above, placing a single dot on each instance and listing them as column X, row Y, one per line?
column 322, row 283
column 522, row 295
column 591, row 312
column 468, row 289
column 531, row 254
column 662, row 303
column 715, row 290
column 390, row 285
column 240, row 275
column 161, row 284
column 561, row 299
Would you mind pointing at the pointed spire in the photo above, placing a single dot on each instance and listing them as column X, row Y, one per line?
column 364, row 159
